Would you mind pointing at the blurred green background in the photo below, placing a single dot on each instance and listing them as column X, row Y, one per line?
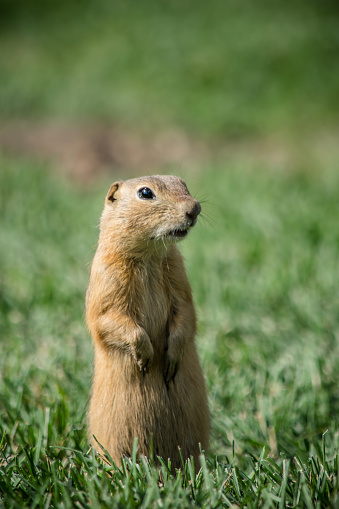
column 241, row 99
column 222, row 68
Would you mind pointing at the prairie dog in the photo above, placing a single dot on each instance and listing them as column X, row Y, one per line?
column 147, row 381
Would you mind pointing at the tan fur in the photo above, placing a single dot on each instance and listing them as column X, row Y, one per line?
column 148, row 381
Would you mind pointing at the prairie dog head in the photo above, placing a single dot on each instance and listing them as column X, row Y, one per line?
column 141, row 213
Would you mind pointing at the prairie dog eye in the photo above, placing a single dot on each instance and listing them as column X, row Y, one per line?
column 146, row 193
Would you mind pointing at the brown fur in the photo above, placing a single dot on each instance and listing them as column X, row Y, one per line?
column 147, row 378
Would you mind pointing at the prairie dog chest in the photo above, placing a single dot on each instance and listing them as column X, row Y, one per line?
column 154, row 299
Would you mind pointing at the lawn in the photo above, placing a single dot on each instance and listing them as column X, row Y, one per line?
column 263, row 263
column 257, row 85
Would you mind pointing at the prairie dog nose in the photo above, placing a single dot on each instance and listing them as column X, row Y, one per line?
column 194, row 210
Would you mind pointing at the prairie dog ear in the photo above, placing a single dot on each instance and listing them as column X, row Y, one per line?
column 113, row 192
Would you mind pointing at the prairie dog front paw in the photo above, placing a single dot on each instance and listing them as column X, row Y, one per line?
column 174, row 357
column 142, row 352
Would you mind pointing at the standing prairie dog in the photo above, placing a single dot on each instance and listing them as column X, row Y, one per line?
column 148, row 382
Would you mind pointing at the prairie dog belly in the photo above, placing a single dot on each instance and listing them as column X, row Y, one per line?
column 143, row 406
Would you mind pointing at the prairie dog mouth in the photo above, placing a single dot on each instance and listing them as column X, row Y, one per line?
column 179, row 232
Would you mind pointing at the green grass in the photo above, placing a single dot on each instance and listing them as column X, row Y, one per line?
column 264, row 268
column 218, row 68
column 263, row 260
